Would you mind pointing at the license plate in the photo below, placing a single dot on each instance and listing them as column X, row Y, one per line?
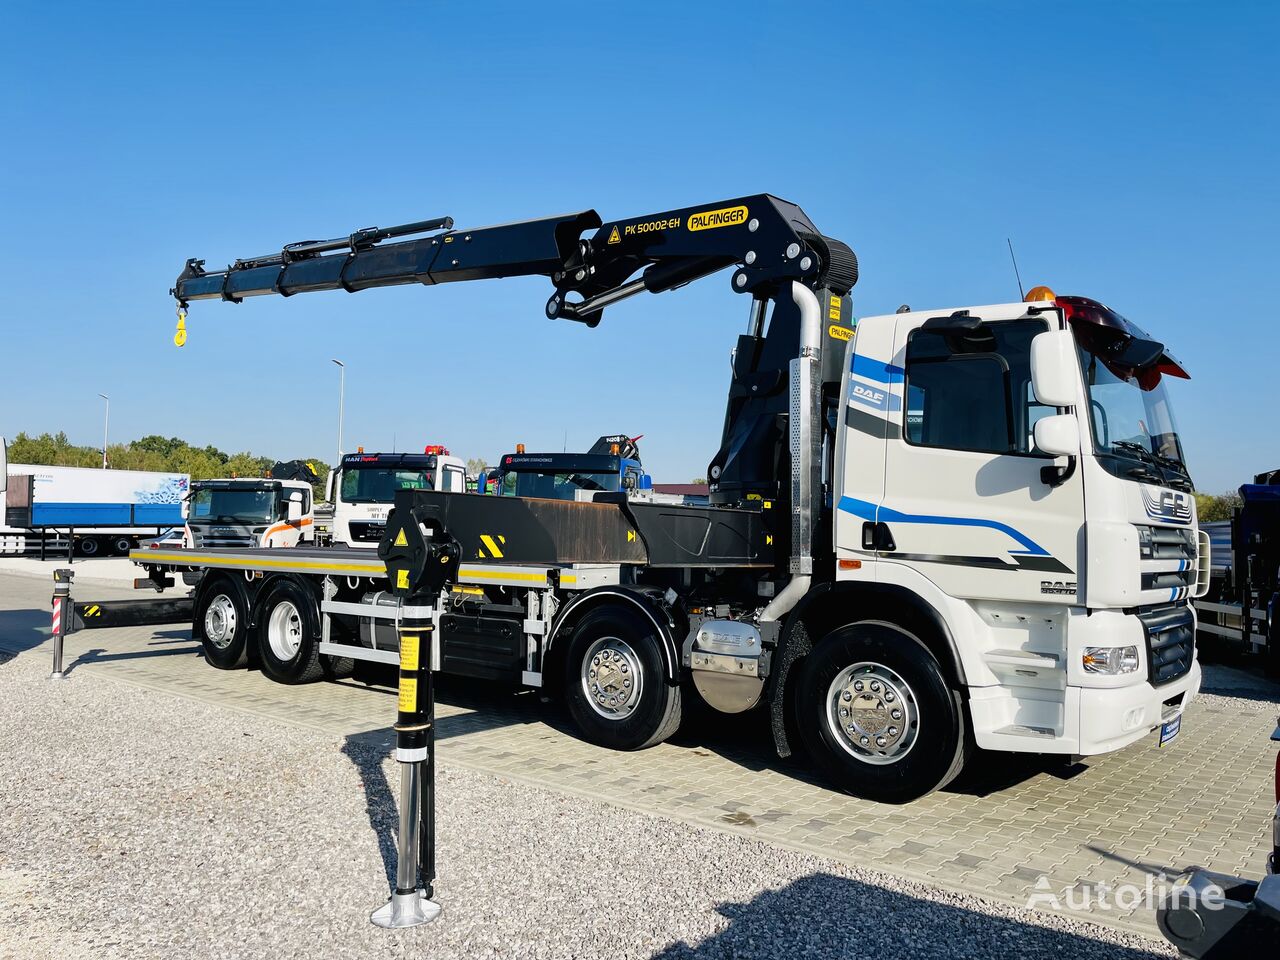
column 1170, row 730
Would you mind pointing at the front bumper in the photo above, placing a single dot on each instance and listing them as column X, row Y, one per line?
column 1113, row 718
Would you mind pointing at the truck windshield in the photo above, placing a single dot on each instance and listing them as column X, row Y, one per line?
column 229, row 505
column 556, row 486
column 1134, row 432
column 379, row 484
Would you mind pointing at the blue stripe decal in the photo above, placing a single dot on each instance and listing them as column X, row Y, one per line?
column 883, row 514
column 875, row 370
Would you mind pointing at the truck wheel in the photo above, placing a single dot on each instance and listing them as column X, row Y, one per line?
column 615, row 685
column 88, row 546
column 877, row 715
column 289, row 635
column 221, row 624
column 122, row 545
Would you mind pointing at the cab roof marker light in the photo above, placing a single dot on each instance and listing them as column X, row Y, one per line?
column 1039, row 294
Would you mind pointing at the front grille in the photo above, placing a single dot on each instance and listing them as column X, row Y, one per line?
column 1171, row 643
column 364, row 531
column 1172, row 543
column 1169, row 580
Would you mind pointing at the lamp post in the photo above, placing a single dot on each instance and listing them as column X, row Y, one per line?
column 342, row 393
column 106, row 420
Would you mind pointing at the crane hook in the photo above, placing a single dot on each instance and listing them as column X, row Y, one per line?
column 180, row 335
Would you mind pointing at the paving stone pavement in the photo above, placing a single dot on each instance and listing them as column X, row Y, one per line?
column 1013, row 829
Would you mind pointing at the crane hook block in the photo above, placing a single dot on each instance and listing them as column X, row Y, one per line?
column 180, row 335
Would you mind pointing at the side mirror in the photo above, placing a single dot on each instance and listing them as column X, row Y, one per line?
column 295, row 505
column 1055, row 374
column 329, row 483
column 4, row 464
column 1058, row 435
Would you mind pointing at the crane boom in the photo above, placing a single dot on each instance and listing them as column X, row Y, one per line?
column 769, row 239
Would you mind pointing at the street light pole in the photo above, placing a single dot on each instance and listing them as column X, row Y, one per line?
column 342, row 395
column 106, row 420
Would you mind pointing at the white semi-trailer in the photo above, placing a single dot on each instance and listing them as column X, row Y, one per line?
column 91, row 510
column 928, row 531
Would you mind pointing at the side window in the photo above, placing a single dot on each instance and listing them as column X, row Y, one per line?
column 455, row 480
column 973, row 392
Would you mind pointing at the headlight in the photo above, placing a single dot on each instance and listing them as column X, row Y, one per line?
column 1110, row 660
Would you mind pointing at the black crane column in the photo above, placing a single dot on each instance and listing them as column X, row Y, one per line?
column 420, row 559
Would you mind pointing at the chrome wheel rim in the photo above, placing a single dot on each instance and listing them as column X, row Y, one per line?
column 220, row 622
column 612, row 678
column 872, row 713
column 284, row 630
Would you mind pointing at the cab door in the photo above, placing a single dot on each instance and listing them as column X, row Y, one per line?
column 968, row 501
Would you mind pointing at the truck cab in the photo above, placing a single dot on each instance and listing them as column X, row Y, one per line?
column 364, row 485
column 611, row 465
column 1019, row 468
column 249, row 512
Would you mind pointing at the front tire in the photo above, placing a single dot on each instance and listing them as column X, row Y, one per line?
column 878, row 716
column 221, row 624
column 289, row 635
column 615, row 683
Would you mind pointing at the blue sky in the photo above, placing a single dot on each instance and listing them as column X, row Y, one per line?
column 1129, row 149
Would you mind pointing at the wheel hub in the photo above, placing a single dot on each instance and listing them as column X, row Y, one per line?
column 872, row 713
column 612, row 678
column 284, row 630
column 220, row 621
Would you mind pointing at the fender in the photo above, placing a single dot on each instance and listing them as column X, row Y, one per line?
column 795, row 642
column 647, row 607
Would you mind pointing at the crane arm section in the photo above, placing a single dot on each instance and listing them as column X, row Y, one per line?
column 590, row 262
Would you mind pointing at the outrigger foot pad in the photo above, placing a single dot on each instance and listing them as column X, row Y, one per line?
column 405, row 910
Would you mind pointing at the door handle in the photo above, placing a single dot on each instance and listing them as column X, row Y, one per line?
column 877, row 536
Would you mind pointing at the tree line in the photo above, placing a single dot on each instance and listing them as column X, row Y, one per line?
column 155, row 453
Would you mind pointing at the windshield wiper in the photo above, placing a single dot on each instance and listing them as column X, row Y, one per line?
column 1161, row 463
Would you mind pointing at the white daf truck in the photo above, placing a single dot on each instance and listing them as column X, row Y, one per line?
column 928, row 531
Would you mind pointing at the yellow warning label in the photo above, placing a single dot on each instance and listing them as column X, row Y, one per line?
column 768, row 504
column 835, row 302
column 93, row 611
column 409, row 643
column 631, row 536
column 491, row 544
column 613, row 235
column 408, row 702
column 402, row 579
column 401, row 539
column 837, row 332
column 768, row 539
column 724, row 217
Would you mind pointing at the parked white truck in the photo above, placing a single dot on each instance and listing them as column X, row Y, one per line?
column 928, row 531
column 363, row 486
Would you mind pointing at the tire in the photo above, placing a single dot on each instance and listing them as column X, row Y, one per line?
column 221, row 623
column 901, row 688
column 288, row 632
column 634, row 661
column 337, row 668
column 88, row 546
column 122, row 545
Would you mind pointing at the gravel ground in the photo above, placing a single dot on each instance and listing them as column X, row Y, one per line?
column 138, row 825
